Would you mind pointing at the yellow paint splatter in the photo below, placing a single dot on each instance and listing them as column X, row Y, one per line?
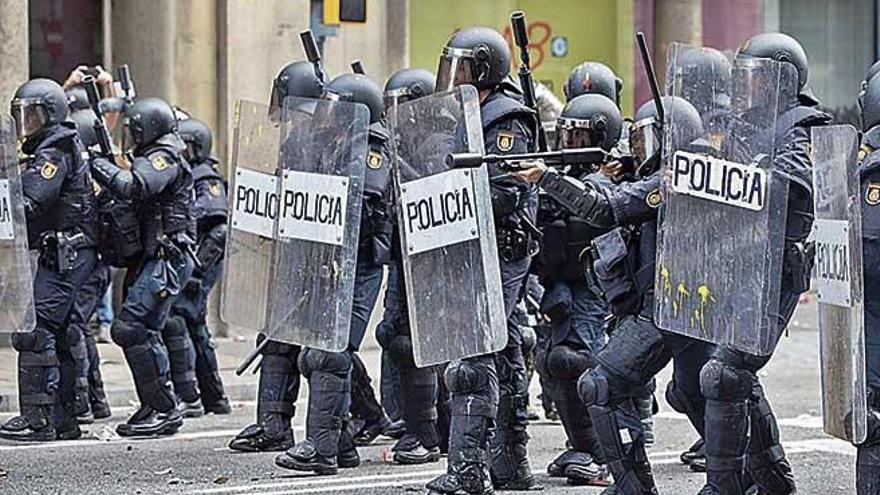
column 705, row 298
column 678, row 303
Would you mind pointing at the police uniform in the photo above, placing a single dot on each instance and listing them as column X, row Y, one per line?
column 868, row 456
column 90, row 383
column 60, row 208
column 736, row 407
column 328, row 445
column 494, row 388
column 159, row 188
column 194, row 368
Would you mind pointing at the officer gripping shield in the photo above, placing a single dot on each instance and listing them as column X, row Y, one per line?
column 16, row 280
column 837, row 232
column 448, row 242
column 720, row 240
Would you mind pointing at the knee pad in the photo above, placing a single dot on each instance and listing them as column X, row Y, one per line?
column 725, row 382
column 385, row 333
column 126, row 334
column 336, row 363
column 593, row 388
column 175, row 328
column 463, row 377
column 529, row 339
column 35, row 341
column 678, row 400
column 565, row 363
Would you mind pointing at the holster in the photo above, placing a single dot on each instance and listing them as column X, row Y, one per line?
column 58, row 250
column 610, row 270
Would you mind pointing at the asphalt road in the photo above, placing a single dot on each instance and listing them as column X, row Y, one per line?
column 197, row 461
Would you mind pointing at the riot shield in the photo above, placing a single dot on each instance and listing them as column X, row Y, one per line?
column 450, row 258
column 16, row 279
column 323, row 159
column 837, row 232
column 720, row 236
column 253, row 201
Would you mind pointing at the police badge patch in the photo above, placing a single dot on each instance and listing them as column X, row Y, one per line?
column 872, row 194
column 654, row 198
column 505, row 140
column 49, row 170
column 374, row 160
column 159, row 163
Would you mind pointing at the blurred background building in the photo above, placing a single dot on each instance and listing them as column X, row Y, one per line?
column 204, row 55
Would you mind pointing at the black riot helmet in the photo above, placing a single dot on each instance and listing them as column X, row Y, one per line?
column 476, row 55
column 297, row 79
column 38, row 103
column 85, row 126
column 782, row 48
column 77, row 98
column 147, row 120
column 707, row 73
column 408, row 84
column 870, row 104
column 198, row 138
column 589, row 120
column 357, row 88
column 646, row 131
column 593, row 78
column 873, row 70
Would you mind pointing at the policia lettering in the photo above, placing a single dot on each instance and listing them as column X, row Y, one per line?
column 317, row 207
column 441, row 209
column 719, row 180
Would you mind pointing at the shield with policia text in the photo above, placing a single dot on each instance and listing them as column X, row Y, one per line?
column 450, row 259
column 323, row 159
column 837, row 232
column 16, row 280
column 720, row 237
column 253, row 201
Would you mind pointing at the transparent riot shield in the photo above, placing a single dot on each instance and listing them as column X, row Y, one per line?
column 16, row 279
column 450, row 259
column 253, row 202
column 720, row 236
column 320, row 191
column 837, row 232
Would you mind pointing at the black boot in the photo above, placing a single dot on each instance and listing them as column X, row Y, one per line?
column 347, row 456
column 467, row 474
column 766, row 463
column 277, row 392
column 182, row 358
column 727, row 429
column 38, row 377
column 208, row 370
column 627, row 462
column 304, row 456
column 158, row 414
column 695, row 456
column 510, row 462
column 410, row 450
column 421, row 444
column 582, row 465
column 148, row 422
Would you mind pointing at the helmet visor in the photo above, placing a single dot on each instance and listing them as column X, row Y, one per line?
column 455, row 68
column 644, row 141
column 575, row 133
column 29, row 115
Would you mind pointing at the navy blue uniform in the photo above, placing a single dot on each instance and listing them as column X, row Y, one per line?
column 159, row 188
column 60, row 207
column 868, row 458
column 90, row 382
column 736, row 407
column 195, row 371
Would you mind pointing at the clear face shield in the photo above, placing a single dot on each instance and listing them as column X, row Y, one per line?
column 29, row 115
column 753, row 89
column 644, row 140
column 455, row 68
column 577, row 133
column 127, row 142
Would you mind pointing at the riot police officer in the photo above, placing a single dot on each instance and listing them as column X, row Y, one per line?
column 493, row 390
column 868, row 456
column 194, row 368
column 576, row 313
column 418, row 386
column 328, row 445
column 60, row 208
column 736, row 407
column 636, row 349
column 279, row 372
column 159, row 186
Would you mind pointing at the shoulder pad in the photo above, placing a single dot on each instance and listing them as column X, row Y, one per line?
column 801, row 116
column 205, row 170
column 160, row 159
column 379, row 132
column 500, row 106
column 870, row 165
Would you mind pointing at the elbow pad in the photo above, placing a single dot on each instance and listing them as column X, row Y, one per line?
column 570, row 193
column 108, row 175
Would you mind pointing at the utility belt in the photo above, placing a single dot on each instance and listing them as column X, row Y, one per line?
column 175, row 248
column 59, row 250
column 612, row 270
column 515, row 244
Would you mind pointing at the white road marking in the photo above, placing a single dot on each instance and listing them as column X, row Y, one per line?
column 323, row 480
